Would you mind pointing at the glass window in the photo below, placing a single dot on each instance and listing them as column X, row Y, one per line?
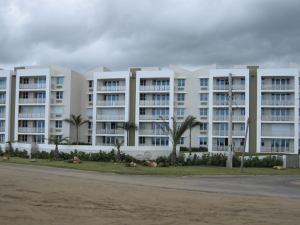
column 91, row 83
column 242, row 81
column 262, row 112
column 58, row 124
column 24, row 138
column 204, row 97
column 142, row 140
column 59, row 95
column 90, row 98
column 203, row 82
column 203, row 111
column 58, row 109
column 90, row 139
column 59, row 137
column 263, row 142
column 203, row 141
column 59, row 80
column 90, row 125
column 242, row 126
column 180, row 97
column 142, row 111
column 243, row 112
column 181, row 82
column 262, row 81
column 243, row 97
column 25, row 81
column 143, row 82
column 179, row 124
column 143, row 97
column 142, row 126
column 89, row 112
column 203, row 126
column 181, row 141
column 180, row 112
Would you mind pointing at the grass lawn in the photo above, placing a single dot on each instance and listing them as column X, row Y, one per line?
column 105, row 167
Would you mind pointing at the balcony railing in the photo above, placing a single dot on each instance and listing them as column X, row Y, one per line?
column 153, row 144
column 225, row 133
column 276, row 149
column 277, row 102
column 277, row 87
column 2, row 115
column 2, row 86
column 31, row 130
column 151, row 132
column 226, row 87
column 111, row 88
column 2, row 101
column 32, row 86
column 107, row 144
column 155, row 88
column 226, row 118
column 31, row 115
column 2, row 129
column 110, row 131
column 110, row 117
column 225, row 148
column 226, row 102
column 32, row 100
column 277, row 118
column 278, row 133
column 110, row 103
column 154, row 102
column 153, row 117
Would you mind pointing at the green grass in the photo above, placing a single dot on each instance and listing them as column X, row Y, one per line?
column 105, row 167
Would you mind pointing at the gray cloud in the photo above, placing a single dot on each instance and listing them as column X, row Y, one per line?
column 83, row 35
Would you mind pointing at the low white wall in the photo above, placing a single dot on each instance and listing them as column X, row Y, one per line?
column 139, row 152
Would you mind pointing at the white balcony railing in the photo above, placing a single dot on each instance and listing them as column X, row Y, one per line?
column 31, row 115
column 154, row 102
column 277, row 118
column 276, row 149
column 278, row 133
column 154, row 117
column 155, row 88
column 32, row 86
column 277, row 87
column 226, row 87
column 111, row 88
column 226, row 102
column 110, row 103
column 31, row 130
column 225, row 133
column 107, row 144
column 225, row 148
column 277, row 102
column 226, row 118
column 2, row 101
column 110, row 131
column 32, row 100
column 2, row 86
column 151, row 132
column 110, row 117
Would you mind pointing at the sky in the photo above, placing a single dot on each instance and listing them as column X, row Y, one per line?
column 86, row 34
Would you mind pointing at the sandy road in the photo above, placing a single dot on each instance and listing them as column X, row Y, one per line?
column 44, row 195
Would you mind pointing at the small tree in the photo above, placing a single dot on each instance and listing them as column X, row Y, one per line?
column 76, row 121
column 127, row 126
column 10, row 148
column 118, row 146
column 56, row 141
column 174, row 133
column 193, row 123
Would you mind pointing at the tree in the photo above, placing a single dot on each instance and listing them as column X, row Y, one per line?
column 127, row 126
column 10, row 148
column 56, row 141
column 76, row 121
column 118, row 146
column 193, row 123
column 174, row 133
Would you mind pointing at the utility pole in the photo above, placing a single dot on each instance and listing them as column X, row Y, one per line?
column 242, row 164
column 229, row 155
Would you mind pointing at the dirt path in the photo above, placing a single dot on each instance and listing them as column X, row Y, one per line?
column 76, row 197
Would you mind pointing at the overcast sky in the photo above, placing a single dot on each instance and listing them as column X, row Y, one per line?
column 86, row 34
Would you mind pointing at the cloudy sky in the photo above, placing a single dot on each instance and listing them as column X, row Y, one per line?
column 86, row 34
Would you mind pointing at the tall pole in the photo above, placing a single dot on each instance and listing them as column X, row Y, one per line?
column 242, row 164
column 229, row 158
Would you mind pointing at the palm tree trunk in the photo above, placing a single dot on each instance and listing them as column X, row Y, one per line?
column 56, row 152
column 127, row 137
column 119, row 155
column 77, row 134
column 190, row 147
column 173, row 158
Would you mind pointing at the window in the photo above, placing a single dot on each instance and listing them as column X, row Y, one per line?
column 59, row 137
column 203, row 141
column 142, row 126
column 241, row 141
column 180, row 97
column 143, row 97
column 91, row 83
column 58, row 124
column 142, row 111
column 243, row 97
column 242, row 81
column 243, row 112
column 25, row 94
column 262, row 112
column 262, row 96
column 59, row 95
column 204, row 97
column 180, row 112
column 142, row 140
column 143, row 82
column 39, row 139
column 263, row 142
column 24, row 123
column 242, row 126
column 89, row 112
column 58, row 109
column 181, row 82
column 262, row 81
column 90, row 98
column 90, row 125
column 203, row 82
column 179, row 124
column 25, row 81
column 59, row 80
column 90, row 139
column 203, row 111
column 181, row 141
column 203, row 126
column 24, row 138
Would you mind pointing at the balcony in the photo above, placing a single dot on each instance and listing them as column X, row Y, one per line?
column 225, row 148
column 277, row 87
column 2, row 129
column 31, row 115
column 107, row 144
column 2, row 86
column 154, row 102
column 154, row 117
column 110, row 117
column 226, row 87
column 2, row 101
column 111, row 88
column 155, row 88
column 31, row 129
column 110, row 131
column 31, row 100
column 276, row 149
column 151, row 132
column 225, row 133
column 226, row 118
column 277, row 102
column 277, row 118
column 110, row 103
column 226, row 102
column 32, row 86
column 278, row 133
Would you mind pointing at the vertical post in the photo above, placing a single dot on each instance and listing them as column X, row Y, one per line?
column 229, row 156
column 242, row 164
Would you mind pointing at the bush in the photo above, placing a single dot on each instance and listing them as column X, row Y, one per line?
column 1, row 152
column 194, row 149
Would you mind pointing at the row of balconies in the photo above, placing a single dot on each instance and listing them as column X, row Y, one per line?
column 262, row 149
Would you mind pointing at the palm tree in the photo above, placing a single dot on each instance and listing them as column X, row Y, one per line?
column 127, row 126
column 193, row 123
column 56, row 141
column 174, row 133
column 118, row 146
column 76, row 121
column 10, row 148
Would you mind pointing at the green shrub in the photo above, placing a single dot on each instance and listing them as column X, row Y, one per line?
column 194, row 149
